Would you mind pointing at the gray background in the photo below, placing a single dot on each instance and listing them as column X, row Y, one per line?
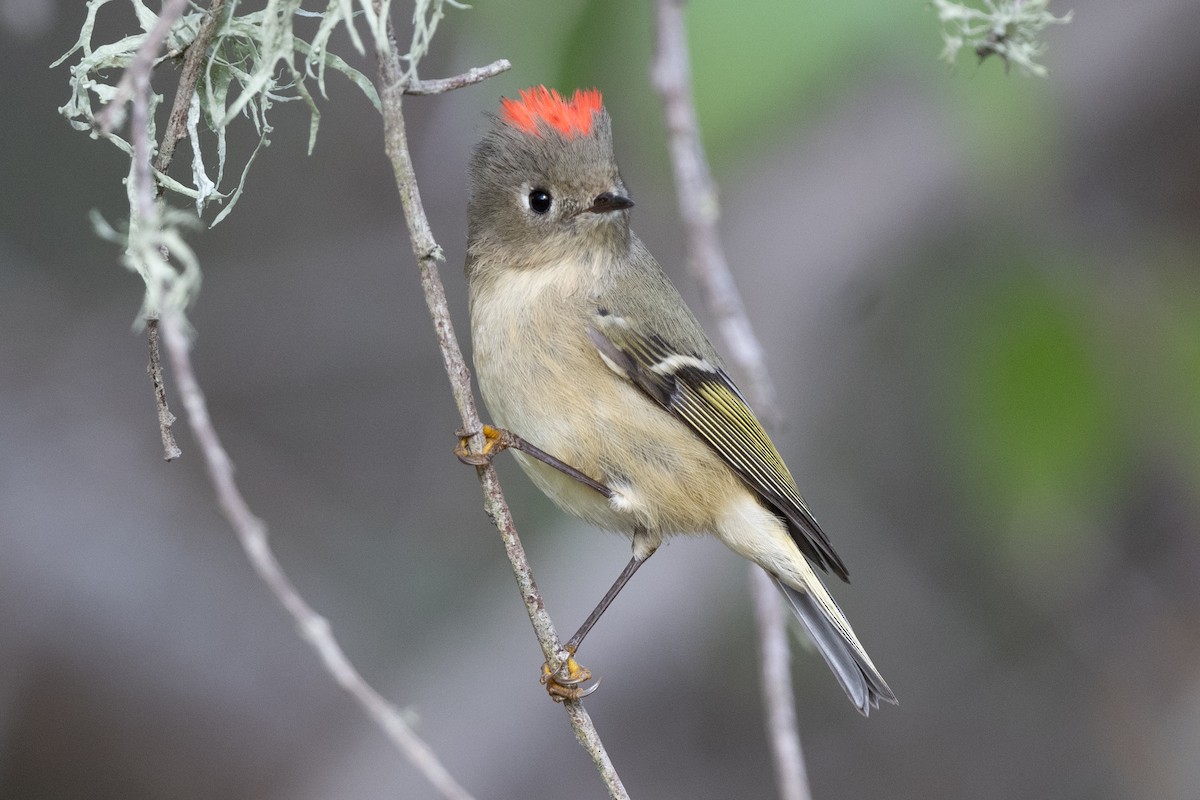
column 979, row 297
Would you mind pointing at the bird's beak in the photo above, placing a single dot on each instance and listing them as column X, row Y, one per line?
column 609, row 201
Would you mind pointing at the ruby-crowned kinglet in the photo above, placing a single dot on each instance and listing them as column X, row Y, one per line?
column 585, row 349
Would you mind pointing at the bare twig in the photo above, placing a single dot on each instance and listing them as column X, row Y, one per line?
column 472, row 76
column 193, row 64
column 250, row 530
column 137, row 80
column 252, row 535
column 135, row 85
column 166, row 420
column 428, row 254
column 697, row 195
column 776, row 667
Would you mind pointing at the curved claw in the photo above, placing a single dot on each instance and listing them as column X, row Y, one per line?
column 579, row 694
column 566, row 683
column 496, row 441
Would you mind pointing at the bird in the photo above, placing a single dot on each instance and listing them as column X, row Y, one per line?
column 602, row 381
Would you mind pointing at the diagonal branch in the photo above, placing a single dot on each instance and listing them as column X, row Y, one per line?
column 250, row 530
column 166, row 420
column 193, row 64
column 778, row 702
column 252, row 535
column 698, row 206
column 135, row 85
column 697, row 195
column 391, row 93
column 471, row 76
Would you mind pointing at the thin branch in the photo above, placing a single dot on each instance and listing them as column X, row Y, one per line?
column 250, row 530
column 468, row 78
column 252, row 535
column 784, row 733
column 428, row 254
column 697, row 195
column 135, row 85
column 698, row 208
column 166, row 420
column 193, row 65
column 137, row 80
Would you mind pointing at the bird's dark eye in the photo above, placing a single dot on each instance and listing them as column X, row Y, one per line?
column 540, row 200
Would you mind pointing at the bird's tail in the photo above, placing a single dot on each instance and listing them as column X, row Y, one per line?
column 831, row 633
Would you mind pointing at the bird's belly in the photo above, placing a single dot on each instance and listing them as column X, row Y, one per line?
column 666, row 479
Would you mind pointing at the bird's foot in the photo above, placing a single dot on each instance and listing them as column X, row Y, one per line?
column 566, row 682
column 495, row 442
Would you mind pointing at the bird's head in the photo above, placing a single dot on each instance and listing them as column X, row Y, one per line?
column 544, row 182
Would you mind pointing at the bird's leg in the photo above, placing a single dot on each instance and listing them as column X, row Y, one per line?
column 606, row 601
column 497, row 440
column 565, row 682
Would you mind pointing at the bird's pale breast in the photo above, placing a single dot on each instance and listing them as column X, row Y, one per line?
column 533, row 335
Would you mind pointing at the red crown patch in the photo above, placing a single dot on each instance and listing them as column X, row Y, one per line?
column 571, row 118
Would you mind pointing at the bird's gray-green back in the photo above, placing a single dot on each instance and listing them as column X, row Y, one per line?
column 638, row 286
column 662, row 349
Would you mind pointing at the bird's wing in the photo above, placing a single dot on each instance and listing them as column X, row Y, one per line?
column 698, row 393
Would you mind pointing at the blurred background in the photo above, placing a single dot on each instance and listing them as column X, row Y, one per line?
column 980, row 296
